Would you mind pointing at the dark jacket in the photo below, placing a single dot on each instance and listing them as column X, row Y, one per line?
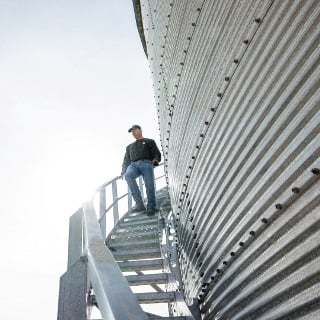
column 142, row 149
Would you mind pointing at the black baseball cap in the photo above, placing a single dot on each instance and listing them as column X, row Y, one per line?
column 135, row 126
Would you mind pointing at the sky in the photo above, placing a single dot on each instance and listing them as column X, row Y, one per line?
column 73, row 79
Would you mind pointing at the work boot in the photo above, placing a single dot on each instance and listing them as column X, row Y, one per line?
column 138, row 208
column 151, row 212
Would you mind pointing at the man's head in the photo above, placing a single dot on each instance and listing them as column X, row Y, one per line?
column 136, row 131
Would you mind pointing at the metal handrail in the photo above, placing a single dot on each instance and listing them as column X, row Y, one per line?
column 119, row 198
column 105, row 276
column 101, row 194
column 93, row 265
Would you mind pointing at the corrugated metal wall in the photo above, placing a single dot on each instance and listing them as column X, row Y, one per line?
column 237, row 90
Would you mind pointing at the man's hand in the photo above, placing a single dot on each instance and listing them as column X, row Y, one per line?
column 155, row 162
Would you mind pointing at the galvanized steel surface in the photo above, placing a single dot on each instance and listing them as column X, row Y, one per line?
column 91, row 266
column 237, row 91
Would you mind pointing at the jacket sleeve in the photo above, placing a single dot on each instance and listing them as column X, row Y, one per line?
column 155, row 151
column 126, row 161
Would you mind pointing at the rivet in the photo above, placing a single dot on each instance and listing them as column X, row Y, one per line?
column 246, row 41
column 204, row 285
column 218, row 270
column 206, row 123
column 219, row 94
column 213, row 109
column 185, row 51
column 257, row 20
column 227, row 78
column 187, row 177
column 278, row 206
column 198, row 254
column 295, row 190
column 241, row 244
column 225, row 263
column 179, row 75
column 193, row 226
column 232, row 254
column 212, row 278
column 236, row 61
column 201, row 274
column 198, row 9
column 171, row 4
column 189, row 38
column 193, row 157
column 198, row 147
column 252, row 233
column 168, row 15
column 201, row 135
column 264, row 220
column 191, row 219
column 182, row 63
column 315, row 171
column 197, row 244
column 193, row 24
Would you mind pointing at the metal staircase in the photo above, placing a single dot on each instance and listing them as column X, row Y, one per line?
column 130, row 272
column 135, row 243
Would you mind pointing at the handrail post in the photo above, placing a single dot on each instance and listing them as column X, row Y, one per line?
column 76, row 240
column 115, row 198
column 102, row 211
column 129, row 200
column 141, row 187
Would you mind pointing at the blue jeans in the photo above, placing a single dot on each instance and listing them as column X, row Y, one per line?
column 136, row 169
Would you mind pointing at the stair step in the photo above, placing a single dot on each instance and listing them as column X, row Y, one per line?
column 137, row 254
column 141, row 265
column 149, row 243
column 118, row 237
column 155, row 297
column 141, row 217
column 136, row 228
column 155, row 317
column 139, row 222
column 145, row 279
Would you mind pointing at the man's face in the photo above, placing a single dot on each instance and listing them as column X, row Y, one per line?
column 137, row 133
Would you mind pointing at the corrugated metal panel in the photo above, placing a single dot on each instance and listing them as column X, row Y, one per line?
column 237, row 90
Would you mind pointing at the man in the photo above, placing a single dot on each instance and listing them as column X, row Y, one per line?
column 140, row 158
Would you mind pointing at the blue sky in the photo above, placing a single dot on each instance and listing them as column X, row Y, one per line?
column 73, row 79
